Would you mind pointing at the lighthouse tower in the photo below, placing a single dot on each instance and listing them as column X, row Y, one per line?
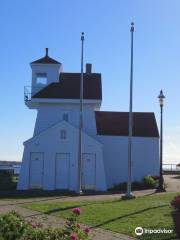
column 44, row 71
column 50, row 157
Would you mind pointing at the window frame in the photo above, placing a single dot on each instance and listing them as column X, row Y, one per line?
column 63, row 134
column 41, row 76
column 67, row 114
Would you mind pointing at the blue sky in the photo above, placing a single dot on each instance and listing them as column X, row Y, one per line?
column 27, row 27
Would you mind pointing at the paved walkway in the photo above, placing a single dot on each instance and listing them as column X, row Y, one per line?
column 74, row 198
column 173, row 183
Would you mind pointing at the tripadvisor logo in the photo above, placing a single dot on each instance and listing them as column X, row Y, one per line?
column 139, row 231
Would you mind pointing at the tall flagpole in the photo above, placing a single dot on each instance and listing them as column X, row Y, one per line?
column 81, row 118
column 129, row 194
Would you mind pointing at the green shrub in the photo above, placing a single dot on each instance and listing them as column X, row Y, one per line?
column 149, row 182
column 7, row 181
column 42, row 234
column 12, row 226
column 146, row 183
column 123, row 186
column 119, row 187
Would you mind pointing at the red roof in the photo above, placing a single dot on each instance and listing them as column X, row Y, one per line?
column 46, row 60
column 68, row 87
column 116, row 124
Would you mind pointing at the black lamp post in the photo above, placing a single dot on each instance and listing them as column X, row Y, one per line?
column 161, row 180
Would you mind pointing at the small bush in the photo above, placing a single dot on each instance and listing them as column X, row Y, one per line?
column 42, row 234
column 7, row 181
column 146, row 183
column 119, row 187
column 137, row 185
column 149, row 182
column 12, row 226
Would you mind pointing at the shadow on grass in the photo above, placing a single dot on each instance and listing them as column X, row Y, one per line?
column 83, row 204
column 127, row 215
column 61, row 209
column 50, row 212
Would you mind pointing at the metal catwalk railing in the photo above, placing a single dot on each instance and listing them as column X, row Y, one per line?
column 29, row 92
column 171, row 167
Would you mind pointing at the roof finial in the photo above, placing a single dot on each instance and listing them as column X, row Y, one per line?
column 132, row 26
column 46, row 52
column 82, row 36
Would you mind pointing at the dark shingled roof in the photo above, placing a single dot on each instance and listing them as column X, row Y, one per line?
column 68, row 87
column 116, row 124
column 46, row 60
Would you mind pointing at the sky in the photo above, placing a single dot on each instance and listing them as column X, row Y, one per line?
column 28, row 27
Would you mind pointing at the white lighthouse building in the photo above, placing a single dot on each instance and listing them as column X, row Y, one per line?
column 50, row 158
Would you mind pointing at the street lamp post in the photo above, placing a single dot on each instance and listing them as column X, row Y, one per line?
column 161, row 180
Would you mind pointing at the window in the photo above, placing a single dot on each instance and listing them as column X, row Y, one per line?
column 65, row 117
column 41, row 78
column 63, row 134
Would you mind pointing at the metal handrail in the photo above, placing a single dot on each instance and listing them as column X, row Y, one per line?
column 29, row 91
column 170, row 167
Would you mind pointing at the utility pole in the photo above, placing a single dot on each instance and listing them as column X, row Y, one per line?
column 80, row 157
column 128, row 193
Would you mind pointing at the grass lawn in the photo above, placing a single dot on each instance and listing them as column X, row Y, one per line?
column 121, row 216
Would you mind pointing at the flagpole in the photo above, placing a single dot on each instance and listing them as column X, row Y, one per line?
column 81, row 118
column 129, row 194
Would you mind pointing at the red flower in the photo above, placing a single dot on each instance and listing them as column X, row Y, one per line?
column 33, row 225
column 78, row 225
column 77, row 211
column 74, row 236
column 87, row 230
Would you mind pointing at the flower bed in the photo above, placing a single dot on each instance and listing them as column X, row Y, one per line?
column 13, row 226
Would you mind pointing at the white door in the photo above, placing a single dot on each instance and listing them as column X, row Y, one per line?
column 36, row 170
column 62, row 170
column 89, row 171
